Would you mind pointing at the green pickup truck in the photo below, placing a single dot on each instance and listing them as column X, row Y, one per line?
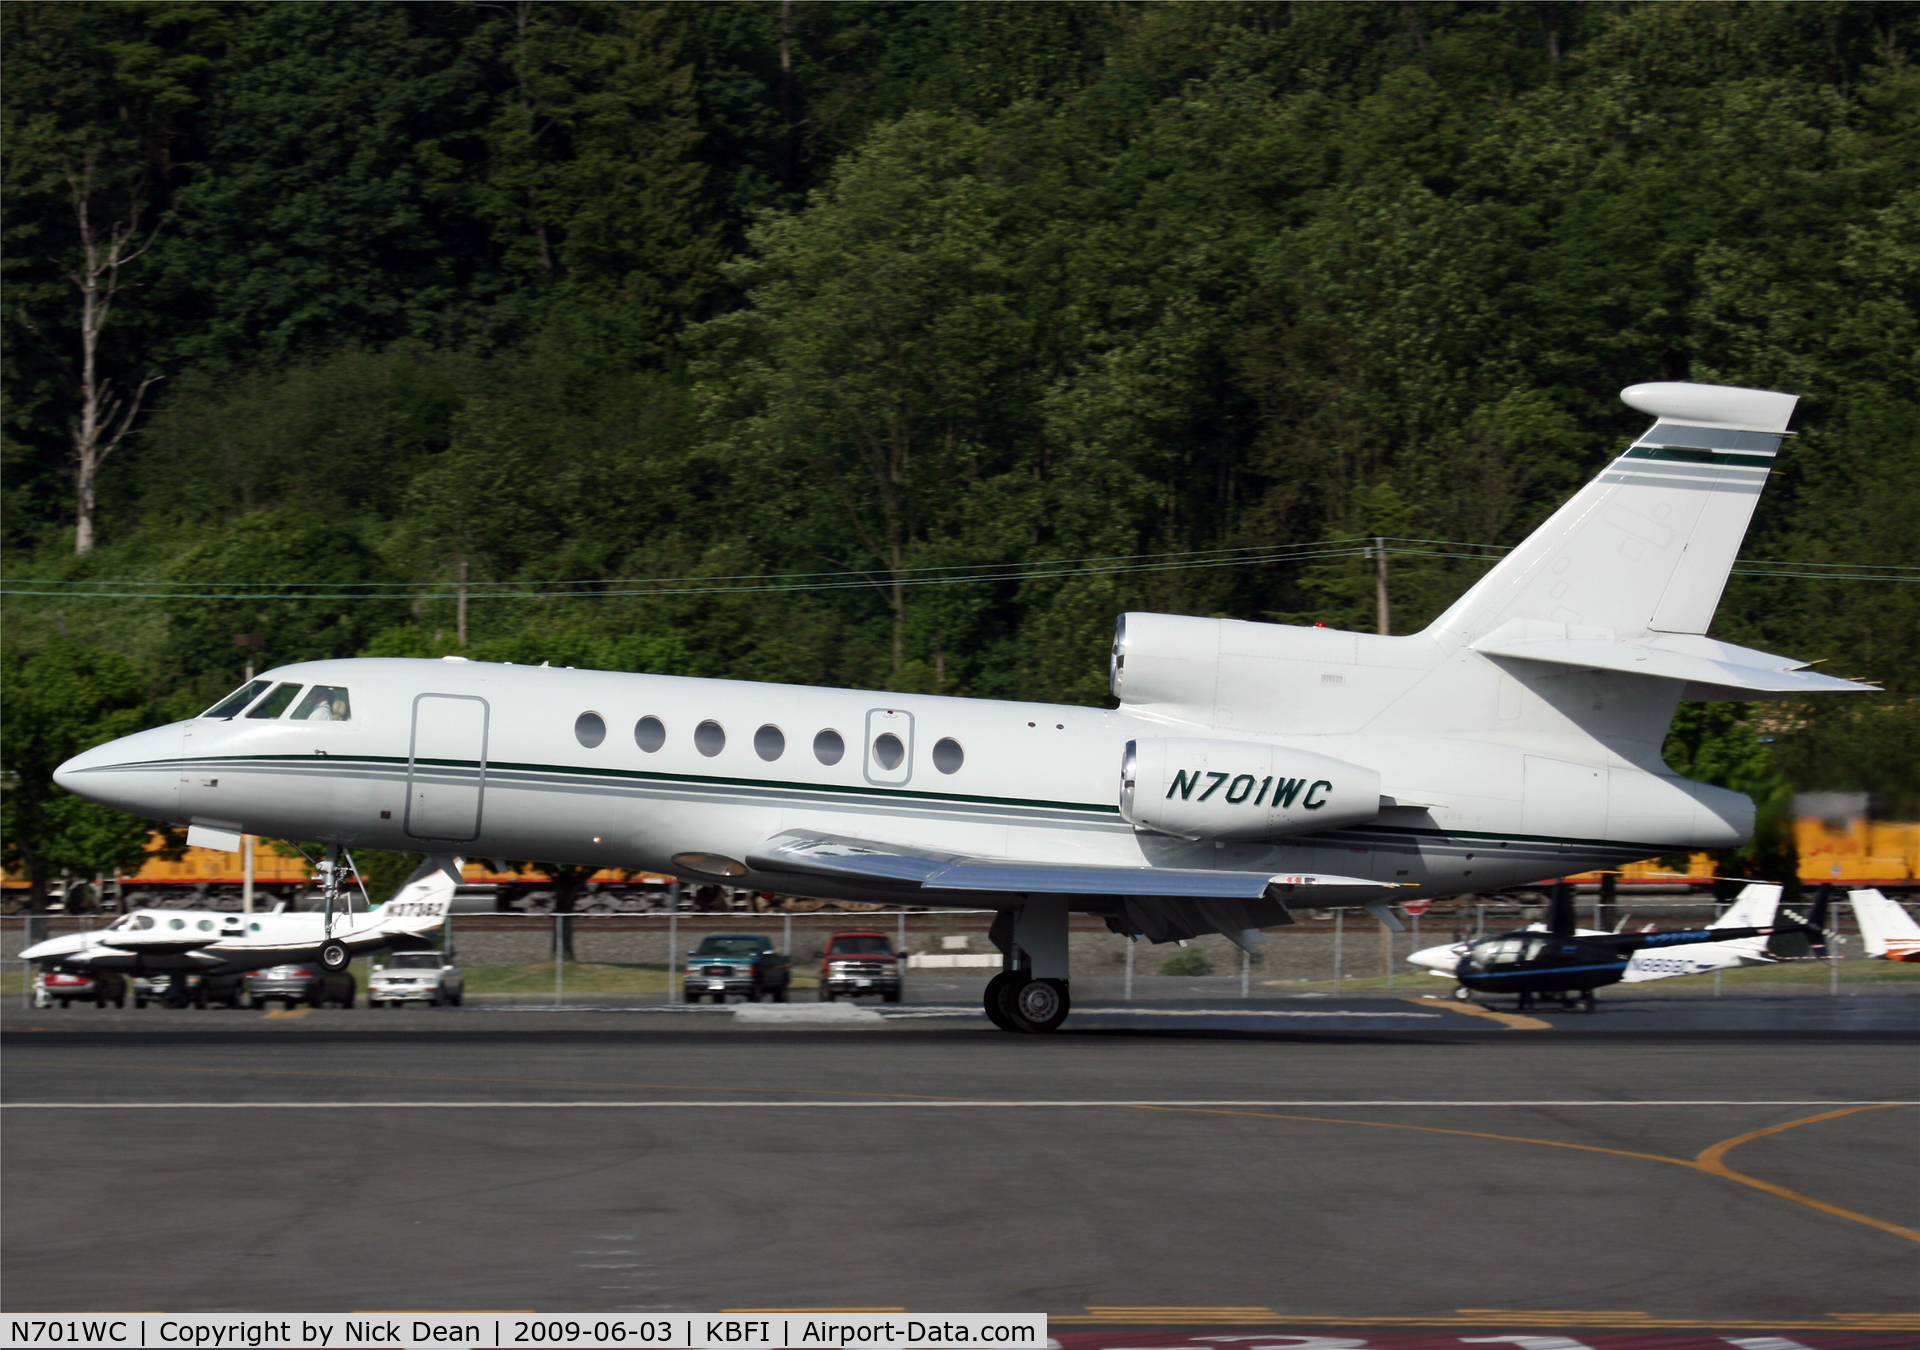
column 738, row 963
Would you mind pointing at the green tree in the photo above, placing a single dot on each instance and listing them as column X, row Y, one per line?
column 61, row 699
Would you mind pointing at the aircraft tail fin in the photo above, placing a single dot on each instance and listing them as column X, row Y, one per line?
column 1812, row 928
column 1752, row 908
column 1646, row 547
column 422, row 904
column 1881, row 921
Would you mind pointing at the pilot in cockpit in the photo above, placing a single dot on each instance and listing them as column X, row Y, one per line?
column 323, row 703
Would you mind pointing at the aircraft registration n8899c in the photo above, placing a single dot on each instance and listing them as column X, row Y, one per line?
column 1248, row 767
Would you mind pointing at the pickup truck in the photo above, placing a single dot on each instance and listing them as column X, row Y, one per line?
column 860, row 963
column 737, row 963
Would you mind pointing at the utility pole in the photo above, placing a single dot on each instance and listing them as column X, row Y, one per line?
column 1380, row 582
column 248, row 643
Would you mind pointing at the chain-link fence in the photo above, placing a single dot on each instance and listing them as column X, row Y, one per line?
column 638, row 959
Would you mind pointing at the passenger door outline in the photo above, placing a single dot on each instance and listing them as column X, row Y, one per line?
column 441, row 804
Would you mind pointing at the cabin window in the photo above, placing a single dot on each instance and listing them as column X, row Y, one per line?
column 176, row 923
column 205, row 925
column 275, row 703
column 589, row 728
column 649, row 733
column 709, row 738
column 947, row 755
column 233, row 703
column 829, row 746
column 769, row 742
column 324, row 703
column 888, row 750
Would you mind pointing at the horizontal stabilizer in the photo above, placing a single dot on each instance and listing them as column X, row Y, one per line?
column 1713, row 671
column 861, row 859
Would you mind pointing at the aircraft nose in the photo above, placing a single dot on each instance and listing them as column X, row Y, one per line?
column 1435, row 958
column 136, row 773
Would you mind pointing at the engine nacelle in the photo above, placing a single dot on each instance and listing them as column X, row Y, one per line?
column 1206, row 789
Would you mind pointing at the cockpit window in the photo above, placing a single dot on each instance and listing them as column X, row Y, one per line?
column 231, row 705
column 323, row 703
column 275, row 703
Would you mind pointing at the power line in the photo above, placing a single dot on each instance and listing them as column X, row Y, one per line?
column 943, row 575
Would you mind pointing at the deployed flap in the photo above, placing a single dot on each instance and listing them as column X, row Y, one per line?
column 861, row 859
column 1712, row 669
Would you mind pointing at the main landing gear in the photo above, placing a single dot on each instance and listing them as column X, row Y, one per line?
column 1030, row 994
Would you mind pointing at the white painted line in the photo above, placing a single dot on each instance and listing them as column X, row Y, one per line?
column 866, row 1105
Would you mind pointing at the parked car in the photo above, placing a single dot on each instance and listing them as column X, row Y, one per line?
column 181, row 990
column 860, row 963
column 738, row 963
column 292, row 985
column 69, row 987
column 425, row 977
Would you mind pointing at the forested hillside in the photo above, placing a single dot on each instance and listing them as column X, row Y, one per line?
column 904, row 345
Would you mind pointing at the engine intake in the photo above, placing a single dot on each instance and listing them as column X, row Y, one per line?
column 1207, row 789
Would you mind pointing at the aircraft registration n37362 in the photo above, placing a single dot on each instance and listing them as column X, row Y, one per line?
column 1248, row 766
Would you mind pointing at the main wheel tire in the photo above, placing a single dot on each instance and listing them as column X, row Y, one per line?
column 1462, row 994
column 334, row 955
column 1038, row 1006
column 993, row 999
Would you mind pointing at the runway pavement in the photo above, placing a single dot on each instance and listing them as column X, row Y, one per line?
column 1741, row 1163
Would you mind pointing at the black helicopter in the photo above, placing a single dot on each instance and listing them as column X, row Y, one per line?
column 1558, row 961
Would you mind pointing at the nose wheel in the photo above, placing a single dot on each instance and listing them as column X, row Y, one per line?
column 334, row 956
column 1016, row 1002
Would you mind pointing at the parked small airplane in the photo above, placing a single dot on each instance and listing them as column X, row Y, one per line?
column 1557, row 960
column 1886, row 929
column 1753, row 908
column 1248, row 767
column 199, row 942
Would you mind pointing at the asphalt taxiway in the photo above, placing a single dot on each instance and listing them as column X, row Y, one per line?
column 1740, row 1162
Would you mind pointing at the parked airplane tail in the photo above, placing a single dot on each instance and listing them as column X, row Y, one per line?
column 1886, row 929
column 1752, row 908
column 420, row 905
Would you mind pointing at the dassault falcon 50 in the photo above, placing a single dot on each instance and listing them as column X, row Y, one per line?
column 1248, row 767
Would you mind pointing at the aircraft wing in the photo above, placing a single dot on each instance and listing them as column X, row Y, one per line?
column 862, row 859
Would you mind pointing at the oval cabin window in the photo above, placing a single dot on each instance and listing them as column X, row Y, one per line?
column 649, row 733
column 947, row 755
column 769, row 742
column 828, row 747
column 589, row 728
column 709, row 738
column 888, row 750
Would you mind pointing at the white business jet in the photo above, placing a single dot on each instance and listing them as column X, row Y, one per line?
column 1249, row 767
column 1886, row 929
column 154, row 941
column 1753, row 908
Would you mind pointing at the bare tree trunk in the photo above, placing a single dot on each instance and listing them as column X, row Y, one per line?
column 460, row 605
column 105, row 413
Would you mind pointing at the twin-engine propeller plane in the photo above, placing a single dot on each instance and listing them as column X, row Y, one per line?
column 1248, row 767
column 199, row 942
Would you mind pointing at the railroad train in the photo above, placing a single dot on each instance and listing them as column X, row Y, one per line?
column 1838, row 842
